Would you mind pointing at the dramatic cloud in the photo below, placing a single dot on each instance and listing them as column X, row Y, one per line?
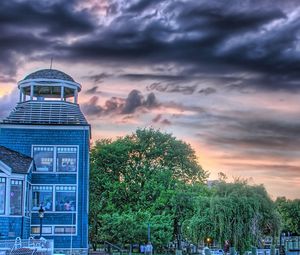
column 120, row 106
column 207, row 91
column 158, row 120
column 32, row 28
column 246, row 133
column 166, row 122
column 134, row 100
column 226, row 72
column 93, row 90
column 211, row 37
column 202, row 37
column 173, row 88
column 92, row 108
column 98, row 78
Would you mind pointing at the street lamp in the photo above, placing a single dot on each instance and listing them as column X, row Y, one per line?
column 148, row 233
column 179, row 237
column 41, row 216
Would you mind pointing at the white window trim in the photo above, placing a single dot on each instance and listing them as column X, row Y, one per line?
column 5, row 196
column 54, row 197
column 53, row 229
column 19, row 177
column 59, row 184
column 55, row 158
column 5, row 168
column 22, row 197
column 44, row 225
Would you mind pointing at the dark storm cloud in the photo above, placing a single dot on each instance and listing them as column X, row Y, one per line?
column 120, row 106
column 92, row 91
column 151, row 101
column 209, row 37
column 202, row 37
column 183, row 107
column 55, row 17
column 166, row 122
column 98, row 78
column 91, row 108
column 33, row 29
column 142, row 77
column 220, row 16
column 12, row 45
column 243, row 136
column 207, row 91
column 157, row 118
column 135, row 99
column 173, row 88
column 186, row 90
column 141, row 5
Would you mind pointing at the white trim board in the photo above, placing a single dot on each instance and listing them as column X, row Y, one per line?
column 5, row 168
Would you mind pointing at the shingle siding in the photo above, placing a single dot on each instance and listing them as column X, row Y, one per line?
column 21, row 140
column 12, row 227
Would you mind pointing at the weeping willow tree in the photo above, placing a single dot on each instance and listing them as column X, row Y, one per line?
column 237, row 212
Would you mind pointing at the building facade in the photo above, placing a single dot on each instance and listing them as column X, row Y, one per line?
column 48, row 127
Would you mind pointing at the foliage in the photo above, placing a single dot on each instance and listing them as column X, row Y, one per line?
column 290, row 213
column 237, row 212
column 137, row 179
column 130, row 227
column 151, row 177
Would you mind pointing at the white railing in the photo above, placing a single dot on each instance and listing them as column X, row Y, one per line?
column 26, row 247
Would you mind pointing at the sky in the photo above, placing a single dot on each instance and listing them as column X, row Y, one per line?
column 220, row 75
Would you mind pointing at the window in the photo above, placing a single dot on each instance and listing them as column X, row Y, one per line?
column 42, row 195
column 66, row 159
column 61, row 159
column 65, row 230
column 45, row 230
column 65, row 198
column 2, row 195
column 43, row 157
column 16, row 188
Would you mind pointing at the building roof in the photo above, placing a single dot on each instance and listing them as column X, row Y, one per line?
column 19, row 163
column 49, row 74
column 46, row 112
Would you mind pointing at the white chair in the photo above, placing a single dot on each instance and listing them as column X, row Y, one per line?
column 31, row 242
column 18, row 243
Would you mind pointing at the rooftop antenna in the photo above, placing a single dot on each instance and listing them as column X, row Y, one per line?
column 51, row 63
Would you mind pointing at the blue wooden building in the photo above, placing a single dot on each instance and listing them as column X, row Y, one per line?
column 49, row 137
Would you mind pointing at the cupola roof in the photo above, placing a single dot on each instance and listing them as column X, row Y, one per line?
column 49, row 74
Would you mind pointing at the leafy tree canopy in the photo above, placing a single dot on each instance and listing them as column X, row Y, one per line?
column 237, row 212
column 290, row 214
column 147, row 172
column 152, row 177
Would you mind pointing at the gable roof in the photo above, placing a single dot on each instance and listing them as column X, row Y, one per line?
column 19, row 163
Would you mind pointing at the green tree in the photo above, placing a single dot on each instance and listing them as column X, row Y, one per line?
column 136, row 173
column 290, row 213
column 237, row 212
